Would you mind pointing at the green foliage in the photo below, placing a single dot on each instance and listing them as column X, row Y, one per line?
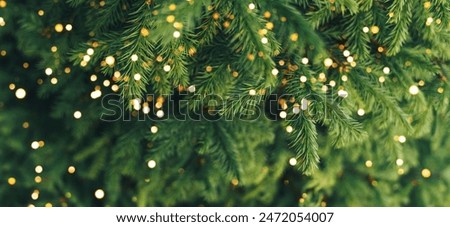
column 225, row 103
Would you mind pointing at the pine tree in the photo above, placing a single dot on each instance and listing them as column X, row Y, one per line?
column 224, row 103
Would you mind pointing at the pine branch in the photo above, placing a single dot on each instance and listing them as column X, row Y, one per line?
column 399, row 24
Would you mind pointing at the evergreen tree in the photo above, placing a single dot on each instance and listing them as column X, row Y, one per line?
column 224, row 103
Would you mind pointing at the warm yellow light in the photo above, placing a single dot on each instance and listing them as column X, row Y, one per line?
column 401, row 139
column 151, row 164
column 93, row 77
column 99, row 194
column 59, row 27
column 35, row 145
column 110, row 60
column 366, row 29
column 328, row 62
column 283, row 114
column 71, row 169
column 77, row 114
column 374, row 29
column 134, row 57
column 292, row 161
column 369, row 164
column 399, row 162
column 48, row 71
column 137, row 76
column 386, row 70
column 264, row 40
column 275, row 72
column 69, row 27
column 38, row 179
column 289, row 129
column 38, row 169
column 252, row 92
column 361, row 112
column 21, row 93
column 11, row 181
column 167, row 68
column 54, row 80
column 154, row 129
column 41, row 12
column 251, row 6
column 293, row 37
column 90, row 51
column 414, row 90
column 426, row 173
column 35, row 195
column 176, row 34
column 145, row 32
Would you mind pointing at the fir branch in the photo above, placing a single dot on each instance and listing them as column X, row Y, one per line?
column 304, row 143
column 398, row 25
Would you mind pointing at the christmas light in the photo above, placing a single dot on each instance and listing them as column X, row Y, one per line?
column 374, row 29
column 401, row 139
column 343, row 93
column 292, row 161
column 71, row 169
column 251, row 6
column 361, row 112
column 303, row 79
column 68, row 27
column 346, row 53
column 154, row 129
column 20, row 93
column 426, row 173
column 134, row 57
column 160, row 113
column 386, row 70
column 366, row 29
column 90, row 51
column 99, row 194
column 59, row 28
column 54, row 80
column 35, row 145
column 2, row 22
column 283, row 114
column 399, row 162
column 252, row 92
column 414, row 90
column 77, row 114
column 137, row 76
column 110, row 60
column 289, row 129
column 176, row 34
column 38, row 169
column 369, row 164
column 305, row 61
column 35, row 195
column 166, row 68
column 48, row 71
column 191, row 88
column 328, row 62
column 151, row 164
column 264, row 40
column 274, row 72
column 11, row 181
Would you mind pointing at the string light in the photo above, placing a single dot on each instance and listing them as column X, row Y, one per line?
column 166, row 68
column 366, row 29
column 283, row 114
column 251, row 6
column 2, row 22
column 414, row 90
column 68, row 27
column 48, row 71
column 54, row 80
column 137, row 76
column 343, row 93
column 151, row 164
column 369, row 164
column 264, row 40
column 292, row 161
column 59, row 28
column 134, row 57
column 426, row 173
column 176, row 34
column 160, row 113
column 305, row 61
column 38, row 169
column 361, row 112
column 90, row 51
column 11, row 181
column 41, row 12
column 35, row 195
column 346, row 53
column 374, row 29
column 191, row 88
column 71, row 169
column 110, row 60
column 154, row 129
column 386, row 70
column 99, row 194
column 399, row 162
column 20, row 93
column 35, row 145
column 275, row 72
column 77, row 114
column 289, row 129
column 252, row 92
column 328, row 62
